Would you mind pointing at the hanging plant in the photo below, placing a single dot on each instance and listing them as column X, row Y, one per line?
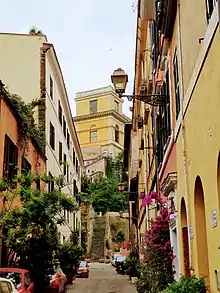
column 28, row 130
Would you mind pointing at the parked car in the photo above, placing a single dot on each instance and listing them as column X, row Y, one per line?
column 83, row 270
column 113, row 258
column 20, row 279
column 7, row 286
column 120, row 264
column 58, row 281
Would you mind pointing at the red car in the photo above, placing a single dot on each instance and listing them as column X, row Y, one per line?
column 20, row 278
column 59, row 281
column 83, row 270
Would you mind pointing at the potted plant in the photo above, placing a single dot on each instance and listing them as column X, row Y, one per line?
column 186, row 285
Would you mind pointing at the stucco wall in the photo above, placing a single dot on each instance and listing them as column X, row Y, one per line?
column 202, row 141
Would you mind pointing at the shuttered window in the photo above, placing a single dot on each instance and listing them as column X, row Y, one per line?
column 51, row 87
column 60, row 152
column 52, row 136
column 10, row 160
column 64, row 164
column 68, row 139
column 51, row 183
column 93, row 106
column 60, row 113
column 64, row 127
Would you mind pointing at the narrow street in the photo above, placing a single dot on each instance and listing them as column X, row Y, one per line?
column 103, row 279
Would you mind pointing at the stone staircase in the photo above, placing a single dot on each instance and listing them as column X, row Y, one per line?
column 98, row 238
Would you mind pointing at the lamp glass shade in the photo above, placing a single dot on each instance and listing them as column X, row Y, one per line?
column 119, row 79
column 121, row 186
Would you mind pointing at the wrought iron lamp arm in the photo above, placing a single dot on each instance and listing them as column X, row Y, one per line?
column 151, row 99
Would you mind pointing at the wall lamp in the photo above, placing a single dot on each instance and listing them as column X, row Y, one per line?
column 120, row 79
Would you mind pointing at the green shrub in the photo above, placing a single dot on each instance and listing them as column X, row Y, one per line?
column 187, row 285
column 132, row 265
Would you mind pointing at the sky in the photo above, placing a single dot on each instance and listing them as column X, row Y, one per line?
column 92, row 38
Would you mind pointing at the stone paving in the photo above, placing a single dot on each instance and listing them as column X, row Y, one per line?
column 103, row 279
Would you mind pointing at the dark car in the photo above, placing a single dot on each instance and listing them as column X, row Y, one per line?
column 120, row 264
column 83, row 270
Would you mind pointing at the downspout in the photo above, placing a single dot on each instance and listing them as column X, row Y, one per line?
column 183, row 133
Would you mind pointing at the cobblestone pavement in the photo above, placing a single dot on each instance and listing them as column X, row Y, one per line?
column 102, row 279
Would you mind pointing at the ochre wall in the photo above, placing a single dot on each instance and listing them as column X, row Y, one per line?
column 202, row 126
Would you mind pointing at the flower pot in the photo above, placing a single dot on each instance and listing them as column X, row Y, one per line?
column 133, row 280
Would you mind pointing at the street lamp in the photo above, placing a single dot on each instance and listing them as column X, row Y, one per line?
column 120, row 79
column 121, row 186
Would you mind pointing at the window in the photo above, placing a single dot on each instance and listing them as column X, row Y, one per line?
column 25, row 166
column 210, row 5
column 116, row 106
column 76, row 164
column 52, row 136
column 93, row 135
column 64, row 127
column 74, row 188
column 67, row 173
column 68, row 139
column 60, row 113
column 163, row 123
column 51, row 87
column 74, row 156
column 51, row 183
column 176, row 84
column 93, row 106
column 60, row 152
column 64, row 164
column 116, row 133
column 10, row 160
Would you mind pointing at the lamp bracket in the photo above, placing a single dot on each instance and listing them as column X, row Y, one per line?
column 152, row 99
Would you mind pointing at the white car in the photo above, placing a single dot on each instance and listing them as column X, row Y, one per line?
column 6, row 286
column 114, row 258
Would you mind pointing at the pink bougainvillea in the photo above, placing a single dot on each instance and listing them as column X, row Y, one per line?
column 126, row 245
column 148, row 199
column 142, row 195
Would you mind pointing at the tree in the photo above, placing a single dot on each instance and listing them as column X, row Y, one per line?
column 119, row 237
column 30, row 231
column 104, row 195
column 69, row 255
column 35, row 31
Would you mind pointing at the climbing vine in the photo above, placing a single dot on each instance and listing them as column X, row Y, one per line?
column 27, row 127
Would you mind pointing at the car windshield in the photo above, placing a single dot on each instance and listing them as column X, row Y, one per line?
column 15, row 278
column 116, row 256
column 83, row 264
column 120, row 258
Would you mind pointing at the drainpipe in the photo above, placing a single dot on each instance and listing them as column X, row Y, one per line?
column 183, row 133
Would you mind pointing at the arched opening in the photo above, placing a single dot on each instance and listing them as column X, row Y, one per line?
column 116, row 133
column 201, row 234
column 185, row 238
column 93, row 134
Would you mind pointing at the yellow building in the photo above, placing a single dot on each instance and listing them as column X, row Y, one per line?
column 185, row 55
column 198, row 167
column 100, row 123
